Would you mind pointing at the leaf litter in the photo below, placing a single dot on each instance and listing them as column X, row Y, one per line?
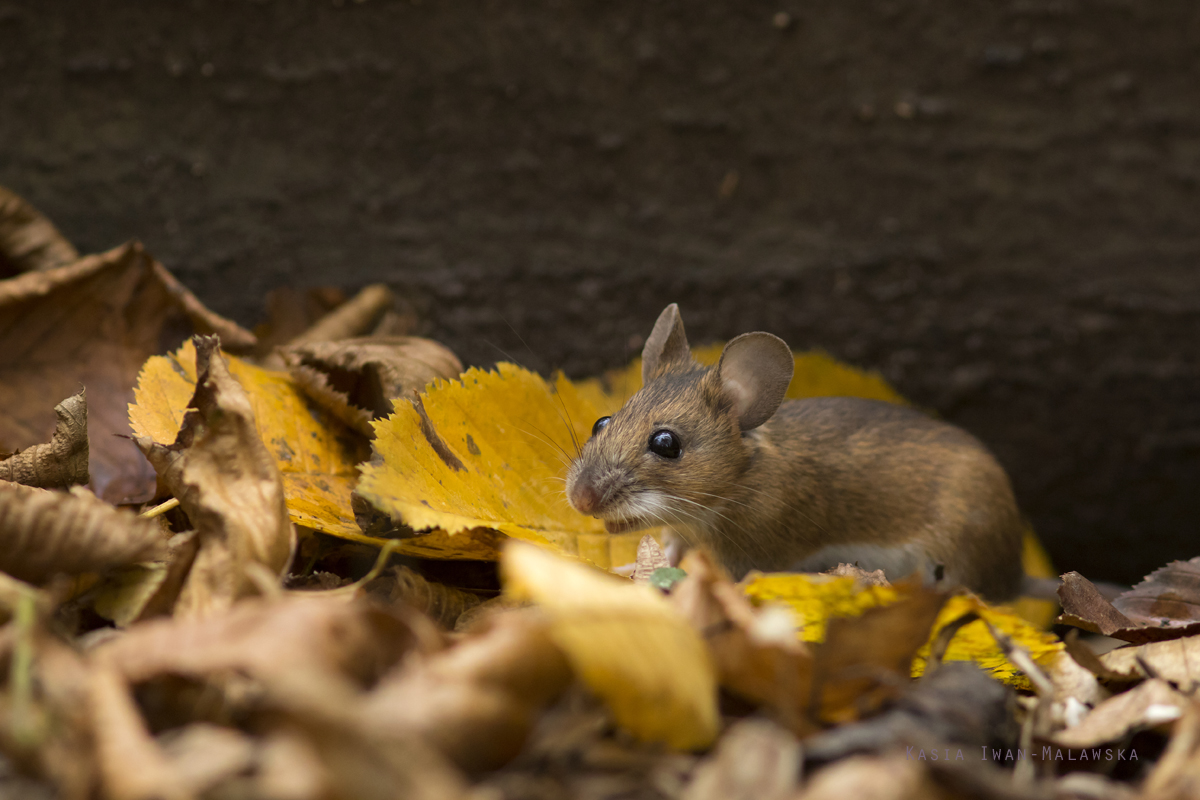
column 274, row 626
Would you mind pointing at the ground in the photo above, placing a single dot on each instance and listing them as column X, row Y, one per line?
column 994, row 204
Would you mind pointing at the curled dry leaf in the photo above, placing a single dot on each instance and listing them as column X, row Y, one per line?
column 43, row 533
column 890, row 777
column 625, row 642
column 29, row 242
column 357, row 379
column 91, row 323
column 1147, row 705
column 1175, row 660
column 355, row 317
column 755, row 760
column 1176, row 776
column 148, row 589
column 228, row 485
column 1084, row 607
column 478, row 700
column 1169, row 597
column 756, row 653
column 315, row 454
column 61, row 462
column 441, row 603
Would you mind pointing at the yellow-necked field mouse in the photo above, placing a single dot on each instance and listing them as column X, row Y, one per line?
column 715, row 454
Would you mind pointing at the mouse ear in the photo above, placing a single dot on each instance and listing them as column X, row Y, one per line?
column 667, row 344
column 754, row 372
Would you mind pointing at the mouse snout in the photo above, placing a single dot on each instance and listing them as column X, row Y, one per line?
column 584, row 497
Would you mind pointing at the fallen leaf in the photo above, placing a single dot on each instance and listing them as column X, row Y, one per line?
column 1084, row 607
column 818, row 598
column 650, row 557
column 92, row 323
column 1176, row 776
column 43, row 533
column 61, row 462
column 292, row 311
column 1174, row 660
column 202, row 755
column 626, row 643
column 1147, row 705
column 755, row 760
column 149, row 589
column 1169, row 597
column 477, row 700
column 757, row 654
column 357, row 380
column 28, row 241
column 865, row 660
column 227, row 484
column 488, row 451
column 355, row 317
column 315, row 454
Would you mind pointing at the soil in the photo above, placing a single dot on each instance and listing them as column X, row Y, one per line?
column 995, row 204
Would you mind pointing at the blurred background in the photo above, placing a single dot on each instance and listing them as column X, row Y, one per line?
column 995, row 204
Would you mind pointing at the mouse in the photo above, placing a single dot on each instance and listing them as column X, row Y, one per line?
column 717, row 455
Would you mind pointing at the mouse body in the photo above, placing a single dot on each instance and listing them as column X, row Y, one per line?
column 718, row 456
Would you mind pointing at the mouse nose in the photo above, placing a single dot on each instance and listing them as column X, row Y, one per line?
column 584, row 497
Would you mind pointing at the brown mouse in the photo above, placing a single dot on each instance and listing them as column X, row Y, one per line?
column 718, row 456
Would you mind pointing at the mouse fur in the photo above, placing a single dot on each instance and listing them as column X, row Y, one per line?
column 799, row 485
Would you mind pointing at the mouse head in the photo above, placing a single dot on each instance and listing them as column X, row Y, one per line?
column 672, row 451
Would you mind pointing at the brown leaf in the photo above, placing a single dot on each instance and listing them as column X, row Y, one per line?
column 1084, row 607
column 649, row 558
column 1176, row 776
column 1175, row 660
column 355, row 317
column 43, row 533
column 867, row 660
column 478, row 700
column 146, row 590
column 441, row 603
column 61, row 462
column 132, row 765
column 228, row 485
column 755, row 760
column 357, row 379
column 92, row 323
column 29, row 242
column 292, row 311
column 757, row 654
column 892, row 777
column 1145, row 706
column 202, row 755
column 1169, row 597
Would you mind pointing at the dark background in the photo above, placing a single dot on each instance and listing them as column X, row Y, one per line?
column 996, row 204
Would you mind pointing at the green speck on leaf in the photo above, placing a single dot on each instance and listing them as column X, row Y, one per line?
column 666, row 577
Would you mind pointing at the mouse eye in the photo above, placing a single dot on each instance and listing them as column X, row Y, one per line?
column 600, row 425
column 665, row 444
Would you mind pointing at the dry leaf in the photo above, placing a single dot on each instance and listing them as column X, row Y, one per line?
column 43, row 533
column 91, row 323
column 441, row 603
column 315, row 453
column 1175, row 660
column 290, row 312
column 891, row 777
column 28, row 241
column 625, row 642
column 202, row 755
column 356, row 380
column 1084, row 607
column 818, row 598
column 132, row 765
column 757, row 654
column 61, row 462
column 227, row 484
column 489, row 451
column 649, row 558
column 1169, row 597
column 478, row 700
column 1147, row 705
column 865, row 660
column 755, row 760
column 1176, row 776
column 355, row 317
column 149, row 589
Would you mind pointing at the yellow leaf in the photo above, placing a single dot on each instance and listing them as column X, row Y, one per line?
column 316, row 453
column 817, row 598
column 491, row 451
column 626, row 642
